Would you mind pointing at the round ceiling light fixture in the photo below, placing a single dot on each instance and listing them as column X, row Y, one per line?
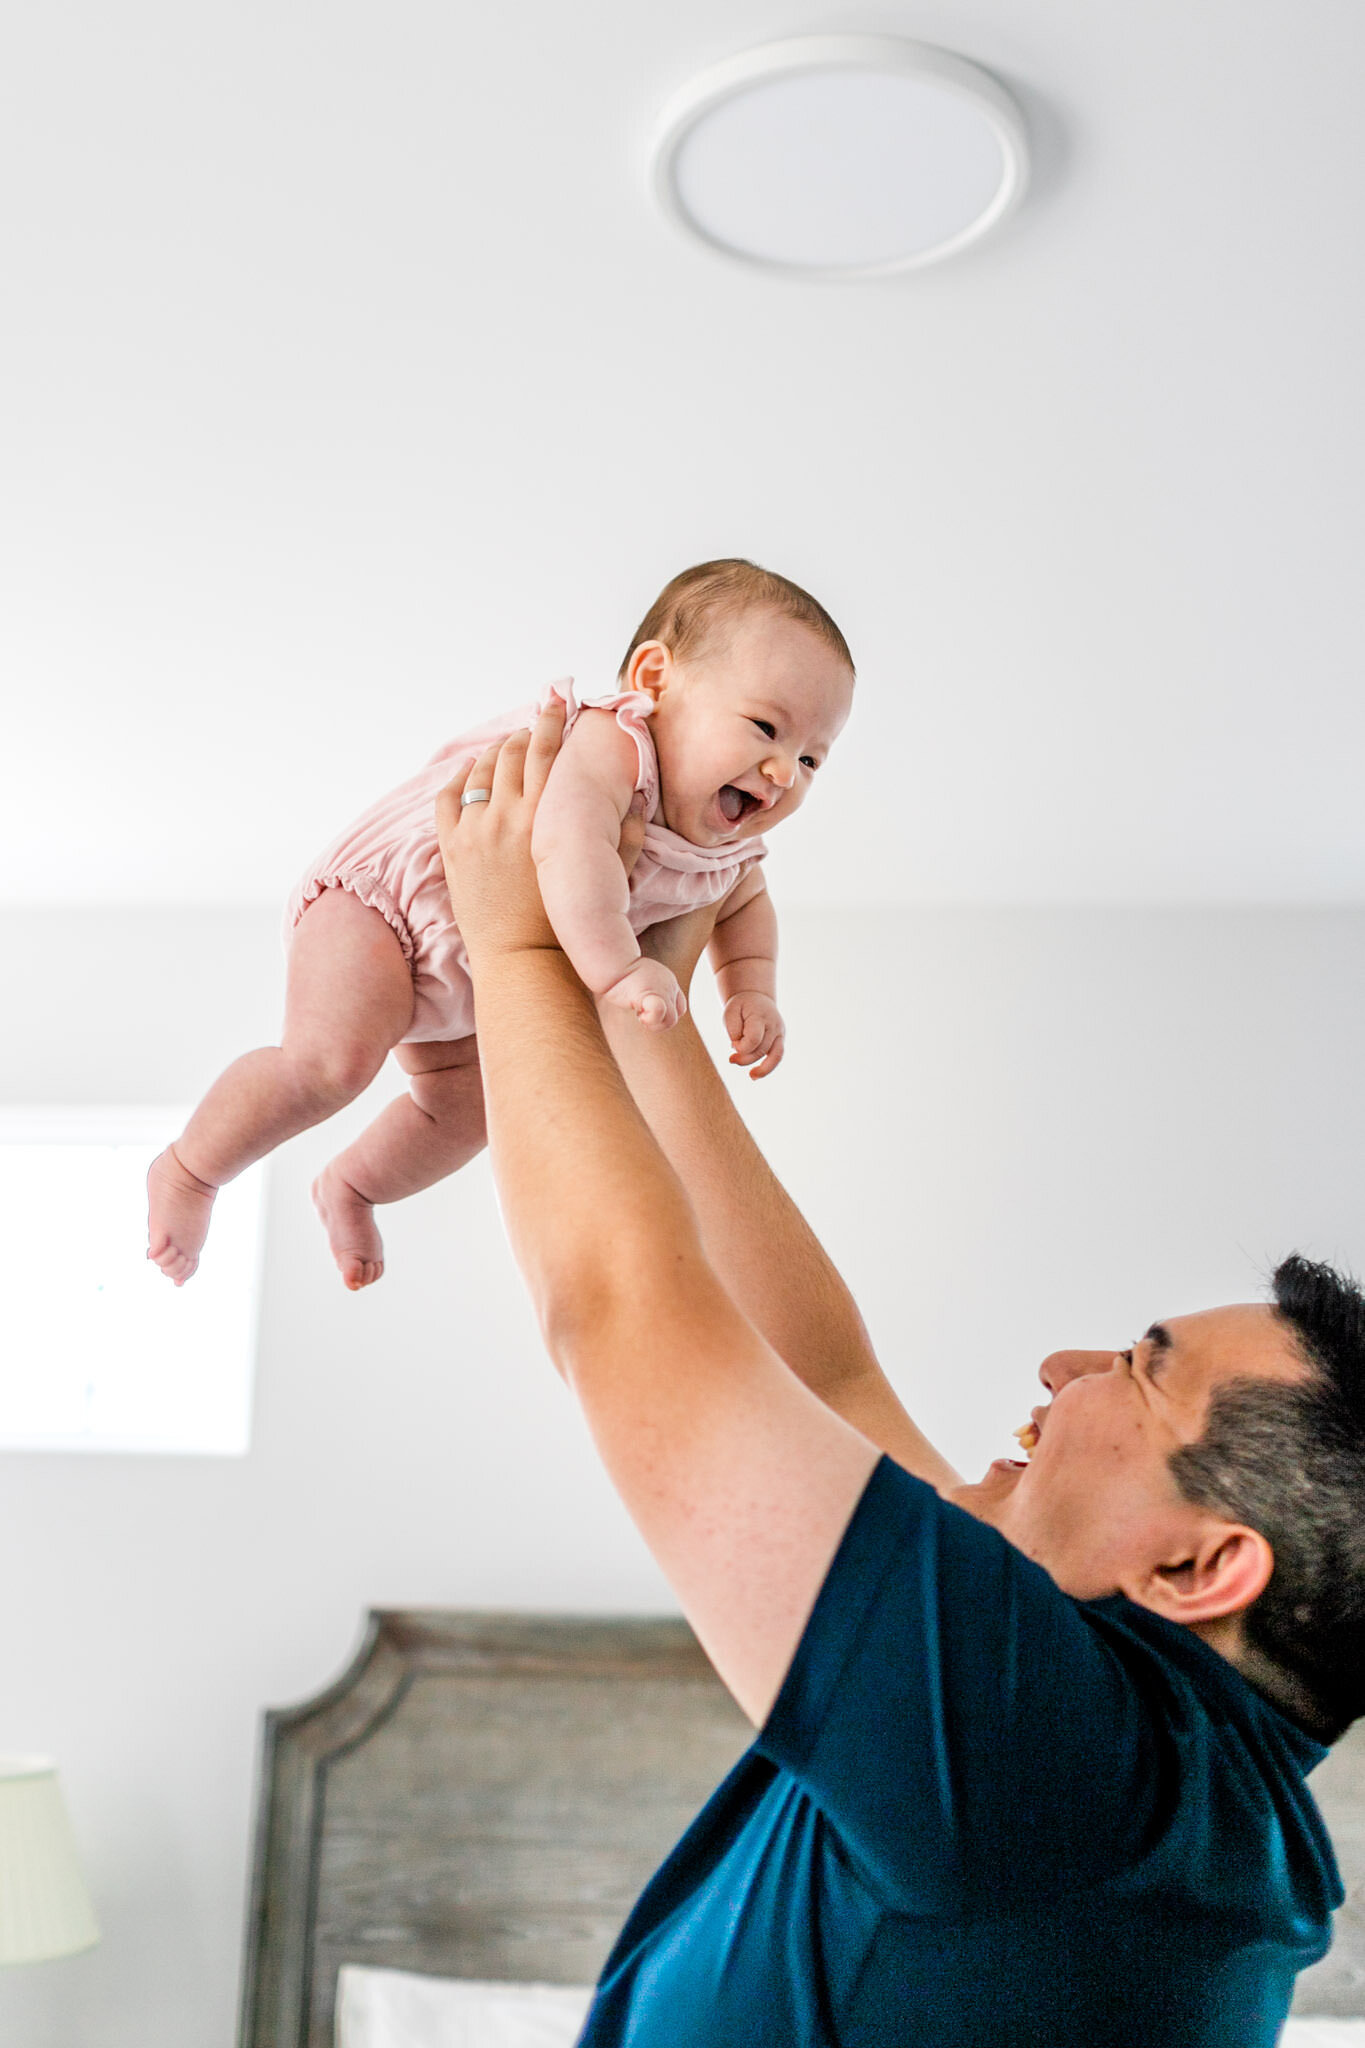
column 840, row 156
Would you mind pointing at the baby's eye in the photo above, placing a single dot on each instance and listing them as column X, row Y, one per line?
column 809, row 761
column 768, row 731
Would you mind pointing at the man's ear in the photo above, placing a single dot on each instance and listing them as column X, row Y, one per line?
column 650, row 668
column 1220, row 1572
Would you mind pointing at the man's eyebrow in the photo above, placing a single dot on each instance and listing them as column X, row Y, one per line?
column 1160, row 1338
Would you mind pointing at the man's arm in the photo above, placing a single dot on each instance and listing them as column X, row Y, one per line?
column 756, row 1239
column 741, row 1481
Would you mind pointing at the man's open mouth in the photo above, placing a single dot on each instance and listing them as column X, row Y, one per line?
column 736, row 804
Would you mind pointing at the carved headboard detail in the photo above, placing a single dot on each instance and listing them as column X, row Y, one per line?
column 479, row 1795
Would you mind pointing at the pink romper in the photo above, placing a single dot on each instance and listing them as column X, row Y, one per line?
column 390, row 859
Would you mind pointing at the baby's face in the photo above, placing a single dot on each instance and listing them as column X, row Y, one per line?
column 743, row 730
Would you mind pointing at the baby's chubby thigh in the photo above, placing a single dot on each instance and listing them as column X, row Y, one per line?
column 446, row 1085
column 437, row 1055
column 348, row 995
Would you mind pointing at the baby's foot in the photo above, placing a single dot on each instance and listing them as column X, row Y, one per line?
column 351, row 1230
column 179, row 1205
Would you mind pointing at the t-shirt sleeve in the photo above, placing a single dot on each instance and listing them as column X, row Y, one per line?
column 964, row 1729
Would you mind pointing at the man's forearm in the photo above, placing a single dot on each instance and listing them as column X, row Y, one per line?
column 591, row 1204
column 741, row 1481
column 758, row 1242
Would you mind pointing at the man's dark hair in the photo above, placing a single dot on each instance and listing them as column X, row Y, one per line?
column 1289, row 1461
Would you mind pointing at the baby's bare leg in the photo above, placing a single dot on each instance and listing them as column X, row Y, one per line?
column 417, row 1140
column 348, row 999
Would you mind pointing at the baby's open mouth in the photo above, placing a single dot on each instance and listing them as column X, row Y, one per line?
column 736, row 804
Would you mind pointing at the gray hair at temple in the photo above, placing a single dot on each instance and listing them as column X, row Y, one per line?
column 1289, row 1461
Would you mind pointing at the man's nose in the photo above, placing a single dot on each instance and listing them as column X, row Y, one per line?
column 781, row 769
column 1061, row 1367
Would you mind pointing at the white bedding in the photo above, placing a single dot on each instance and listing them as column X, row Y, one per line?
column 395, row 2009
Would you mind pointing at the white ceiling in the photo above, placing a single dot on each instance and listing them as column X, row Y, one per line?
column 350, row 387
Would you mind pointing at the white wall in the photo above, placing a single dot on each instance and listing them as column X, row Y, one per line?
column 1014, row 1129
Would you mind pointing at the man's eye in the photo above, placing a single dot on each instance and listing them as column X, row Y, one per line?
column 769, row 732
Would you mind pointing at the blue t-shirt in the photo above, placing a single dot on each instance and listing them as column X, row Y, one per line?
column 984, row 1815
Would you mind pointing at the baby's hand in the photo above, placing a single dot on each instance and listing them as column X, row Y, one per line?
column 652, row 991
column 757, row 1032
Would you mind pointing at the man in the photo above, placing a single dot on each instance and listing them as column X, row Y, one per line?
column 1028, row 1768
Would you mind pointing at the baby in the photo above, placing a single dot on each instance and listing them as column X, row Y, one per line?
column 732, row 693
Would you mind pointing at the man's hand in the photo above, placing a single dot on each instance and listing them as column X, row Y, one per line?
column 486, row 846
column 756, row 1032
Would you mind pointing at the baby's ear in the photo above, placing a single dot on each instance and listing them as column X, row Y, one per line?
column 649, row 669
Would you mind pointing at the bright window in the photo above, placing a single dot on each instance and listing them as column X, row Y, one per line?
column 98, row 1351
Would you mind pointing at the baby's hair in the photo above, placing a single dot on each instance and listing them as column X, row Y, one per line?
column 688, row 610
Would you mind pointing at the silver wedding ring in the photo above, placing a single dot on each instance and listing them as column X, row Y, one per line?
column 474, row 796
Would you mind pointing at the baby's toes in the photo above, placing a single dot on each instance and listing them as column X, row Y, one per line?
column 169, row 1259
column 358, row 1273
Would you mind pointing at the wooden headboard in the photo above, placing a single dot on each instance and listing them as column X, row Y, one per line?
column 484, row 1795
column 478, row 1795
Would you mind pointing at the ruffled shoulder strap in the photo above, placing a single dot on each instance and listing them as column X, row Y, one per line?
column 633, row 709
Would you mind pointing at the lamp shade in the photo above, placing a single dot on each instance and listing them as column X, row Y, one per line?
column 45, row 1909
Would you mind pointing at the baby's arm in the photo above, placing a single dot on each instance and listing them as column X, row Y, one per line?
column 744, row 956
column 575, row 845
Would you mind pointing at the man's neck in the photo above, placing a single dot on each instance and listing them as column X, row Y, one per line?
column 1227, row 1635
